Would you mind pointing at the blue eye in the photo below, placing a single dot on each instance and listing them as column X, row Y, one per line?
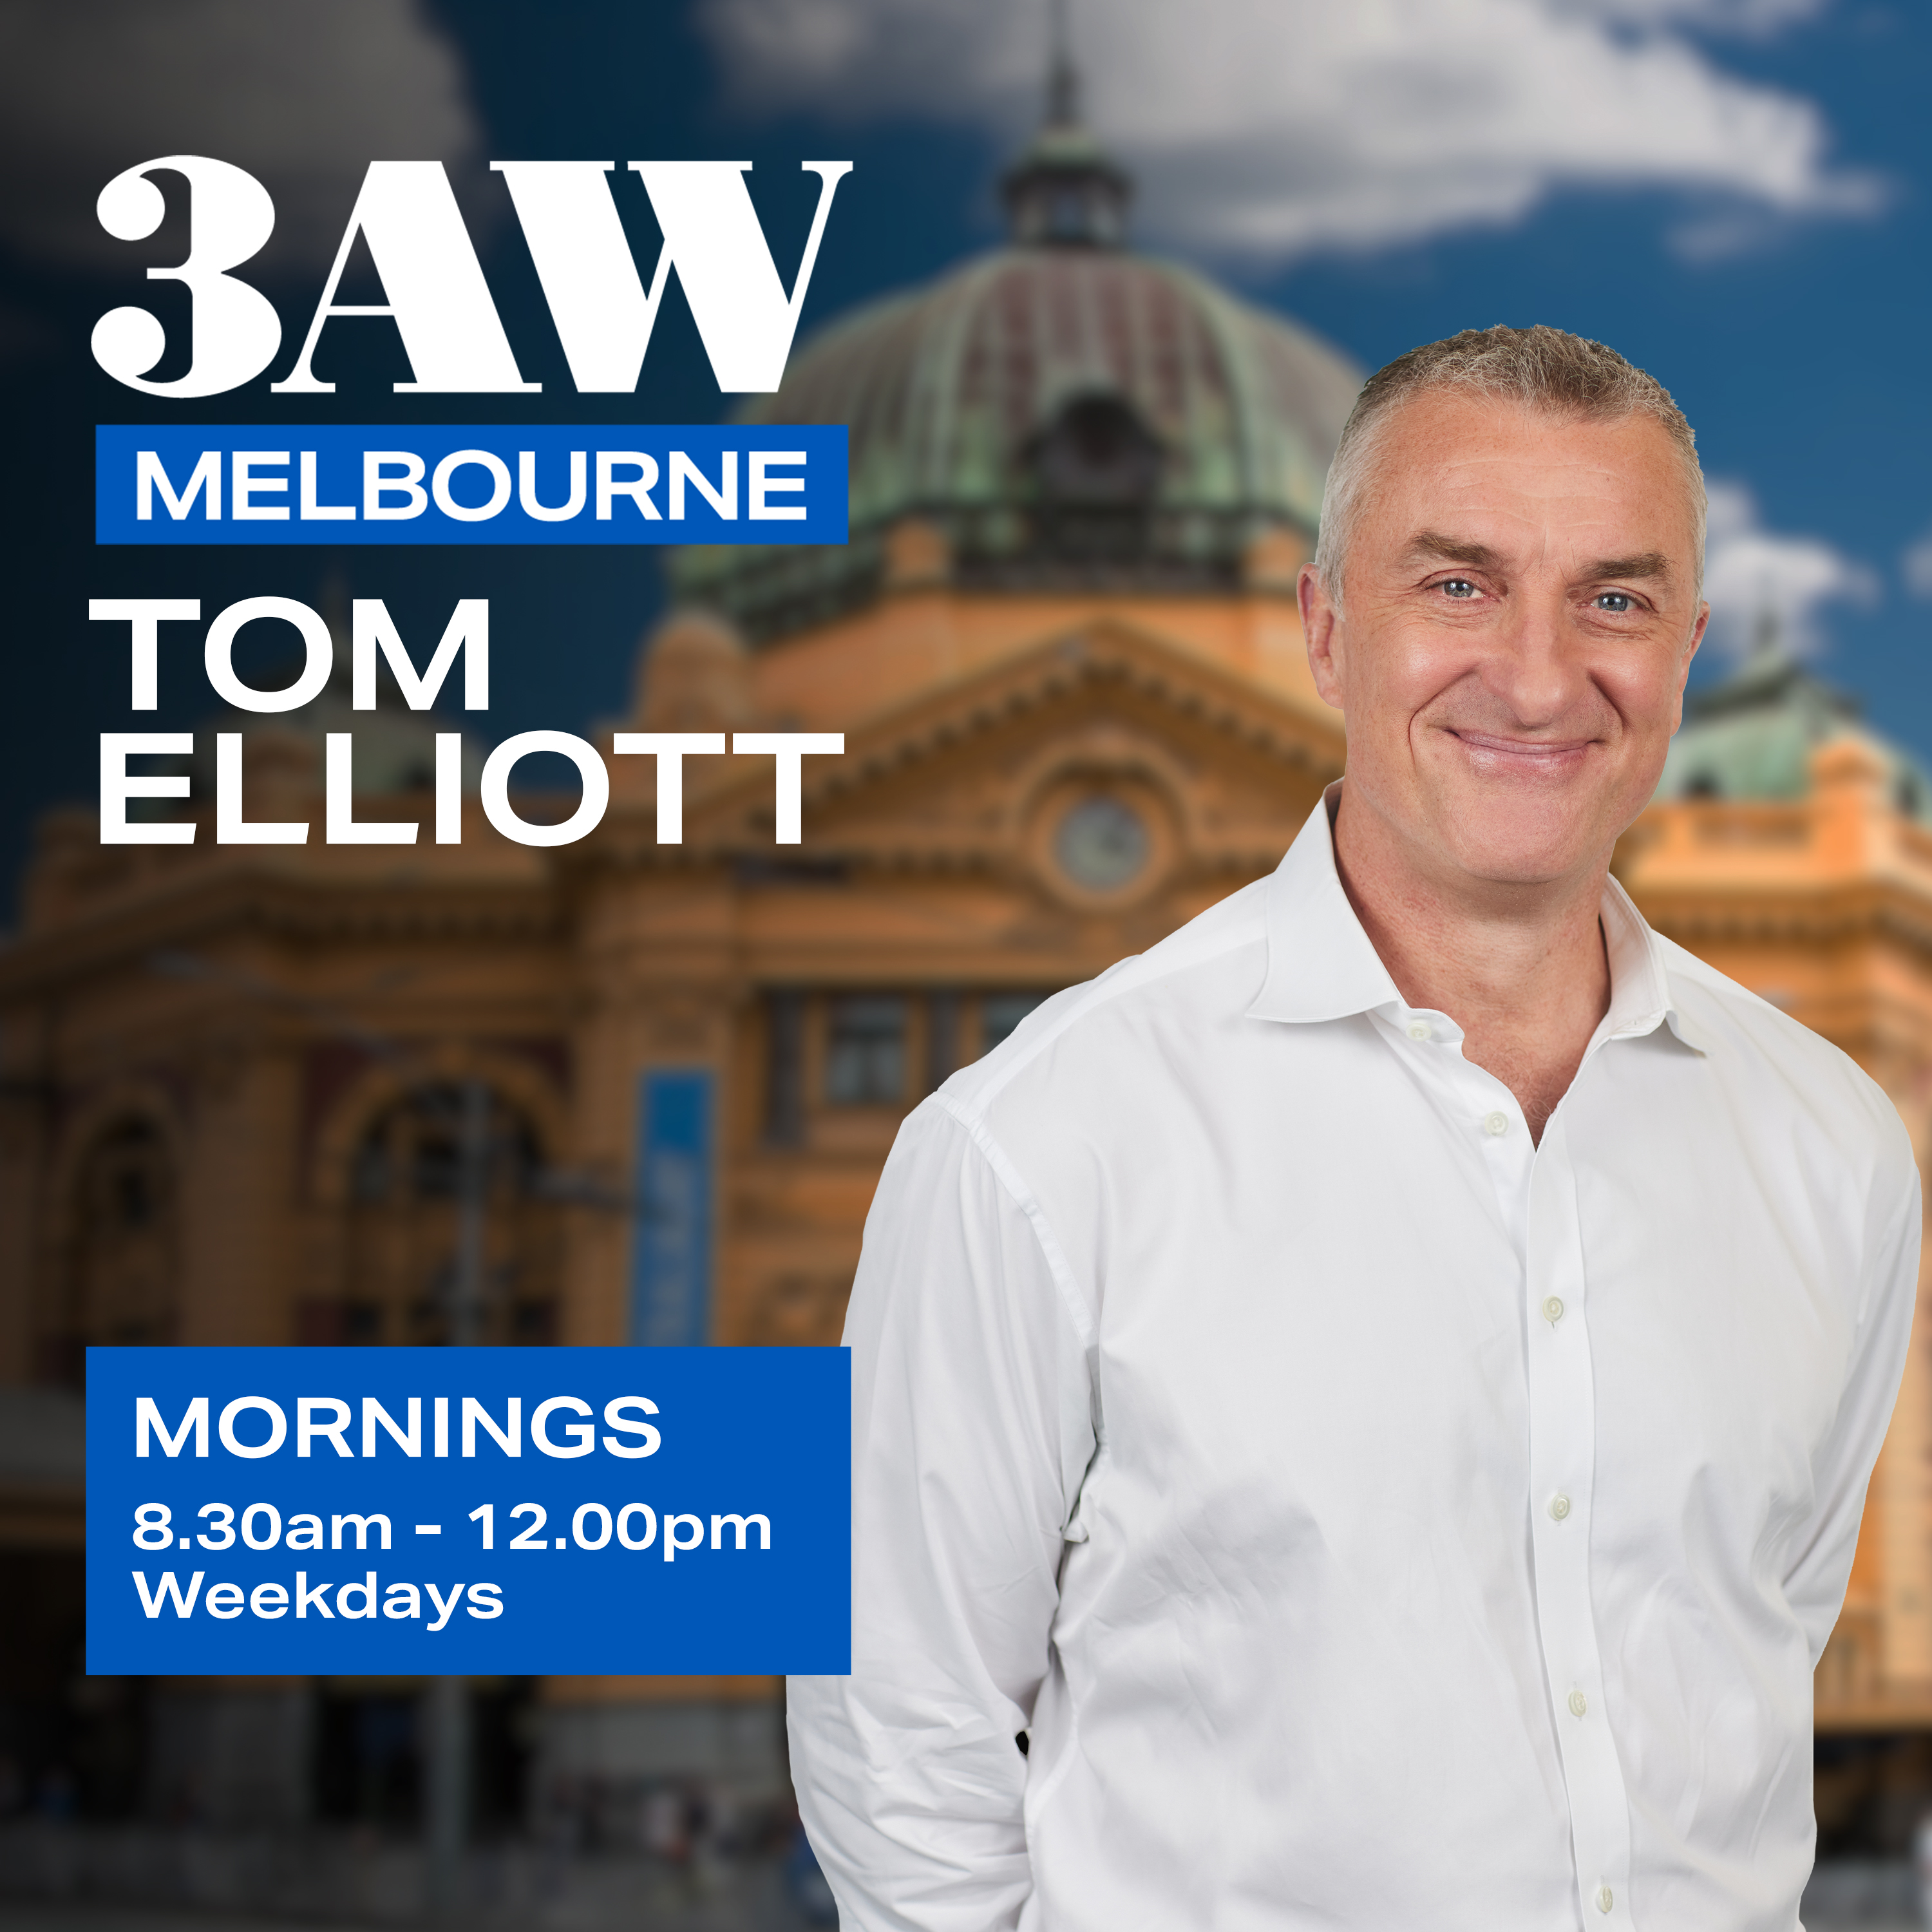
column 1458, row 587
column 1615, row 601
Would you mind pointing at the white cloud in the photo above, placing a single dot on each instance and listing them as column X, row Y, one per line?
column 1269, row 129
column 1751, row 574
column 303, row 95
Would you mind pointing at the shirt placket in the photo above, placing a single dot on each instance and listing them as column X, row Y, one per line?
column 1562, row 1468
column 1536, row 1196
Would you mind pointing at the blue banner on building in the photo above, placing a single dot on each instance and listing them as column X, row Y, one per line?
column 399, row 1511
column 545, row 483
column 670, row 1260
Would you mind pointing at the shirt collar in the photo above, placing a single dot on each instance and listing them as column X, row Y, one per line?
column 1322, row 966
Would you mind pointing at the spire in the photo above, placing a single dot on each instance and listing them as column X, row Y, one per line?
column 1767, row 643
column 1065, row 190
column 1063, row 83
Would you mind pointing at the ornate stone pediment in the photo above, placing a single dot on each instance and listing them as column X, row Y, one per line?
column 1097, row 766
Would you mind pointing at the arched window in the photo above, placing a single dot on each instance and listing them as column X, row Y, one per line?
column 1095, row 470
column 450, row 1235
column 119, row 1283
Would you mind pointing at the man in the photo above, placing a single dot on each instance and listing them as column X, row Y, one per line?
column 1361, row 1414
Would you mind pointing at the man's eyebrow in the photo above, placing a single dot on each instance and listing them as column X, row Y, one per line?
column 1452, row 550
column 1649, row 563
column 1646, row 563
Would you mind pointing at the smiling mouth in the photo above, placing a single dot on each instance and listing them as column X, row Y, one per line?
column 1531, row 754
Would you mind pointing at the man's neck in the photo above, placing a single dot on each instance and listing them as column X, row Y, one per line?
column 1521, row 969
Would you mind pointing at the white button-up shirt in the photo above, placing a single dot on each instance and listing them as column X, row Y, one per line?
column 1373, row 1519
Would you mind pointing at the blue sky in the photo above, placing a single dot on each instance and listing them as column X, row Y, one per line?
column 1734, row 193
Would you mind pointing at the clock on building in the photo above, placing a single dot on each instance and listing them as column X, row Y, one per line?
column 1102, row 844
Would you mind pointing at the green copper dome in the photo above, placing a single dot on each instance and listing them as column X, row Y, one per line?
column 1064, row 412
column 1752, row 737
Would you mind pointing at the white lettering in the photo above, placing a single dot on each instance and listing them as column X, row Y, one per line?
column 468, row 631
column 344, row 827
column 275, row 1516
column 509, row 1438
column 437, row 297
column 149, row 476
column 167, row 1589
column 366, row 1590
column 614, row 1417
column 711, row 231
column 377, row 483
column 496, row 790
column 790, row 748
column 448, row 831
column 309, row 1411
column 117, row 787
column 724, row 499
column 145, row 615
column 583, row 1435
column 671, row 748
column 312, row 512
column 761, row 486
column 526, row 487
column 486, row 460
column 245, row 484
column 638, row 489
column 235, row 331
column 278, row 1427
column 230, row 827
column 742, row 1523
column 373, row 1412
column 147, row 1417
column 671, row 1544
column 218, row 654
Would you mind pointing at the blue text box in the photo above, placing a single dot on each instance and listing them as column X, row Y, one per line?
column 244, row 1541
column 550, row 483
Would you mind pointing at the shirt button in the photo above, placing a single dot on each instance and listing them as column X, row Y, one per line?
column 1552, row 1309
column 1418, row 1030
column 1559, row 1508
column 1496, row 1124
column 1578, row 1703
column 1605, row 1898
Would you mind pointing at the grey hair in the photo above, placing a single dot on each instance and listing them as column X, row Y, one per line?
column 1542, row 368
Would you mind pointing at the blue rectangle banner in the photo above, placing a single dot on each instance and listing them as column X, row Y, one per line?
column 544, row 483
column 670, row 1264
column 528, row 1511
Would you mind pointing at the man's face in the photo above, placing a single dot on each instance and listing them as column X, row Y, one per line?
column 1521, row 617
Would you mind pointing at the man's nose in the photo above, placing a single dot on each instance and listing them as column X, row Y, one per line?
column 1535, row 668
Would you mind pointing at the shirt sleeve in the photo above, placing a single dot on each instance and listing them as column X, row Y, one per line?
column 972, row 1428
column 1815, row 1585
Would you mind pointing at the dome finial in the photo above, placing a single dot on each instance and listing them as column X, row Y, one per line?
column 1065, row 189
column 1063, row 81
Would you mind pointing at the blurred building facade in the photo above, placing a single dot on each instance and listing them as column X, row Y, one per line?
column 1064, row 649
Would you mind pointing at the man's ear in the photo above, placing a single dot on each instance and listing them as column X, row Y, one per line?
column 1696, row 637
column 1321, row 629
column 1697, row 631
